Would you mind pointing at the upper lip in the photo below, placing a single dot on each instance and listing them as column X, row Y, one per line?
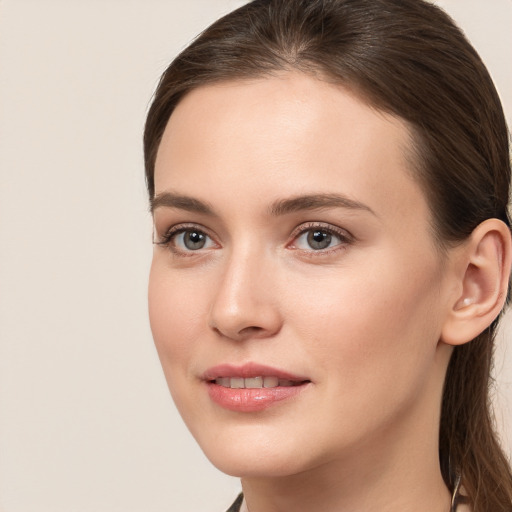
column 249, row 370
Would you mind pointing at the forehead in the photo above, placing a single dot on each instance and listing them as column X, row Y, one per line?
column 285, row 135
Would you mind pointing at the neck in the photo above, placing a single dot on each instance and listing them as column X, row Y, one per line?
column 369, row 483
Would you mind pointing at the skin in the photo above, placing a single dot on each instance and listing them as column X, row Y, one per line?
column 362, row 319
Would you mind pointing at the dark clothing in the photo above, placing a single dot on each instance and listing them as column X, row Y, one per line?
column 237, row 504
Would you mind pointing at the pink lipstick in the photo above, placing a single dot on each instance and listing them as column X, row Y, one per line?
column 251, row 387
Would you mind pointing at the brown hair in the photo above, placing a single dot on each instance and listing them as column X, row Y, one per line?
column 408, row 58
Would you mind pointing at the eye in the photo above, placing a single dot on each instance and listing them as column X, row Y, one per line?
column 319, row 238
column 191, row 240
column 186, row 240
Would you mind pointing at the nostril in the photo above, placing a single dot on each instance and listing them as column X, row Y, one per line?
column 242, row 334
column 251, row 329
column 242, row 321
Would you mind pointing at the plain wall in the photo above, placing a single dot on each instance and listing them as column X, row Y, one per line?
column 86, row 421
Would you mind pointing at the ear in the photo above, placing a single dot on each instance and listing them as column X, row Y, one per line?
column 484, row 264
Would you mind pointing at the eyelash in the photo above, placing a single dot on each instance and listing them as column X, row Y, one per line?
column 345, row 238
column 172, row 233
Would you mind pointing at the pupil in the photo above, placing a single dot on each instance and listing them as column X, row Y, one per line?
column 319, row 239
column 194, row 240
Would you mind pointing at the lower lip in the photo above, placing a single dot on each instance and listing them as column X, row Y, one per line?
column 251, row 399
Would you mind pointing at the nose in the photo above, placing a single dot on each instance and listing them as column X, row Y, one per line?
column 245, row 304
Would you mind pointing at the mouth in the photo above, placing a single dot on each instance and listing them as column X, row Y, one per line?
column 252, row 387
column 268, row 382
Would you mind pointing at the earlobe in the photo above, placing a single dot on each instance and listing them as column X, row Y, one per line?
column 485, row 260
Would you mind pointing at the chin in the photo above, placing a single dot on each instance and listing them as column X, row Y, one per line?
column 255, row 452
column 254, row 466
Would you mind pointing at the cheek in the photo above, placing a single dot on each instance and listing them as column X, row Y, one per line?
column 373, row 323
column 372, row 347
column 175, row 312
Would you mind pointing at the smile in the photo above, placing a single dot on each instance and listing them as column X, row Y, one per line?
column 252, row 387
column 255, row 382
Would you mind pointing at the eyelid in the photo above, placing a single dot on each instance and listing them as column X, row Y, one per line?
column 170, row 233
column 345, row 236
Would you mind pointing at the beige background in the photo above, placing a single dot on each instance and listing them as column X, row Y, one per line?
column 86, row 423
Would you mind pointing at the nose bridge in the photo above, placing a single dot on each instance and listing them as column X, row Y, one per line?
column 245, row 304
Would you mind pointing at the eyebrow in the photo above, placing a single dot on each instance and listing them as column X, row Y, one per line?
column 316, row 202
column 180, row 202
column 278, row 208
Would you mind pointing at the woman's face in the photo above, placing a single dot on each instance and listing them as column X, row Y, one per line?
column 294, row 251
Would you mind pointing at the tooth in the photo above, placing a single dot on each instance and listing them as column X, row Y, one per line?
column 285, row 382
column 270, row 382
column 223, row 381
column 254, row 382
column 237, row 382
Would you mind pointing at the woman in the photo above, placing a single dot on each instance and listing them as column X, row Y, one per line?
column 329, row 184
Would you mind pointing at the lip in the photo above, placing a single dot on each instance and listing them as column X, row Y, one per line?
column 248, row 370
column 251, row 399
